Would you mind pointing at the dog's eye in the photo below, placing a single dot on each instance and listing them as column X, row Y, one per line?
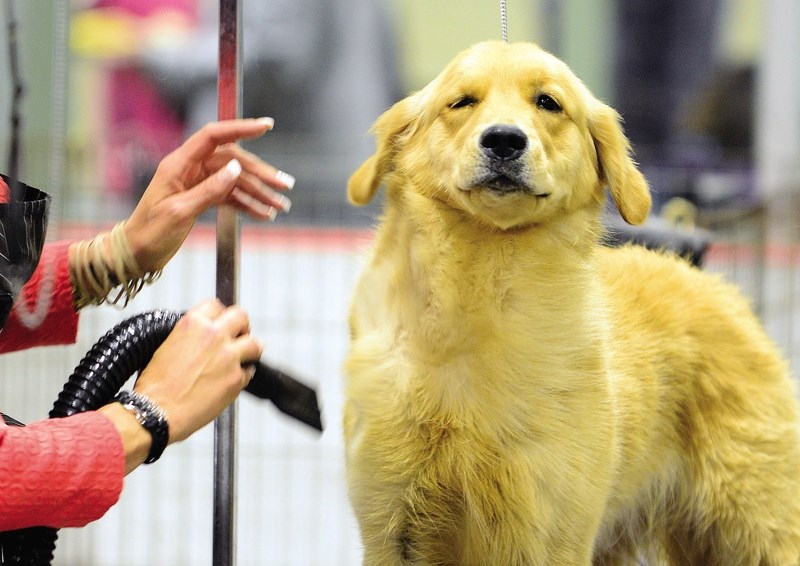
column 546, row 102
column 464, row 101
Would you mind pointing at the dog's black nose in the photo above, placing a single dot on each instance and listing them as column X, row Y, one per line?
column 503, row 143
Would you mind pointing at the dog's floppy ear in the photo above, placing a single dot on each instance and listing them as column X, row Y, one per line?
column 364, row 183
column 388, row 129
column 617, row 169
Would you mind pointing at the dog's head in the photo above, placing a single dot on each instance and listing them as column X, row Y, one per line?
column 508, row 134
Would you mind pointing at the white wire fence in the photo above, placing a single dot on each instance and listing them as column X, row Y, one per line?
column 292, row 507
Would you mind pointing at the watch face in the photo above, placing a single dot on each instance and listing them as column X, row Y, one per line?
column 139, row 413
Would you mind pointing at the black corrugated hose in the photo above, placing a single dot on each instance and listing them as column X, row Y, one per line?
column 125, row 349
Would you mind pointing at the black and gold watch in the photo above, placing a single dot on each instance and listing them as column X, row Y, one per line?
column 151, row 417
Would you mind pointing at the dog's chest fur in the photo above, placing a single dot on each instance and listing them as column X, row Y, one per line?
column 473, row 357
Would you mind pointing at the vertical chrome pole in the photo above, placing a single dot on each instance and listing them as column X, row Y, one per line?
column 229, row 89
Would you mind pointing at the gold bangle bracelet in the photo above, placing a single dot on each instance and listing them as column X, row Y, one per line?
column 93, row 279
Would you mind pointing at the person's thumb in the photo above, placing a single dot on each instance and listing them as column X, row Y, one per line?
column 212, row 190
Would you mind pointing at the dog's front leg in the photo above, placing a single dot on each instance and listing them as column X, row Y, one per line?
column 418, row 528
column 514, row 514
column 514, row 521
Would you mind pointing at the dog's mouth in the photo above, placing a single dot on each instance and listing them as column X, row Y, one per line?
column 506, row 184
column 503, row 179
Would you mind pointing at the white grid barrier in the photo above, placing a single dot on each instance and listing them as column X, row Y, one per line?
column 292, row 506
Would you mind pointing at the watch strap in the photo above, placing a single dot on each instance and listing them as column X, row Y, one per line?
column 151, row 417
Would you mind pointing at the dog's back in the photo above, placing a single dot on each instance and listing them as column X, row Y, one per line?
column 709, row 433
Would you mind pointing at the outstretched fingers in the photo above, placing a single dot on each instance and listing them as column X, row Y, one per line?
column 232, row 185
column 235, row 176
column 259, row 188
column 205, row 141
column 213, row 190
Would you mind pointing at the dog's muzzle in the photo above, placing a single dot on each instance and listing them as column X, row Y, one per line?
column 503, row 171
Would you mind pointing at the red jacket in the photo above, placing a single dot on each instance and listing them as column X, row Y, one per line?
column 60, row 322
column 59, row 472
column 55, row 472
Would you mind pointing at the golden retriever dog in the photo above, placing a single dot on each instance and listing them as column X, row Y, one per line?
column 519, row 394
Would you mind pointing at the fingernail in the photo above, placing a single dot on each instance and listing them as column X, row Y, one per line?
column 272, row 213
column 286, row 179
column 286, row 204
column 266, row 121
column 231, row 171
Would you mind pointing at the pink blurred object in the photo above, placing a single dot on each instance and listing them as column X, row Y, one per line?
column 142, row 126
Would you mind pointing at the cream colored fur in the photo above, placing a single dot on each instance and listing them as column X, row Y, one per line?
column 518, row 394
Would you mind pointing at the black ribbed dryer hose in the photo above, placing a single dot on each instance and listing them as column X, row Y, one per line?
column 125, row 349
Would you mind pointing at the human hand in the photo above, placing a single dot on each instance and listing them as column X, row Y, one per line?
column 209, row 169
column 197, row 371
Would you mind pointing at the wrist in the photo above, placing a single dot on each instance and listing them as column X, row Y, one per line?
column 103, row 264
column 132, row 243
column 136, row 441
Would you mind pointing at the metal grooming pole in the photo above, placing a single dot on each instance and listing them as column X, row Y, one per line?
column 229, row 107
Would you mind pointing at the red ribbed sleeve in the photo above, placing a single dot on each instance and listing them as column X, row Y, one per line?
column 59, row 472
column 44, row 314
